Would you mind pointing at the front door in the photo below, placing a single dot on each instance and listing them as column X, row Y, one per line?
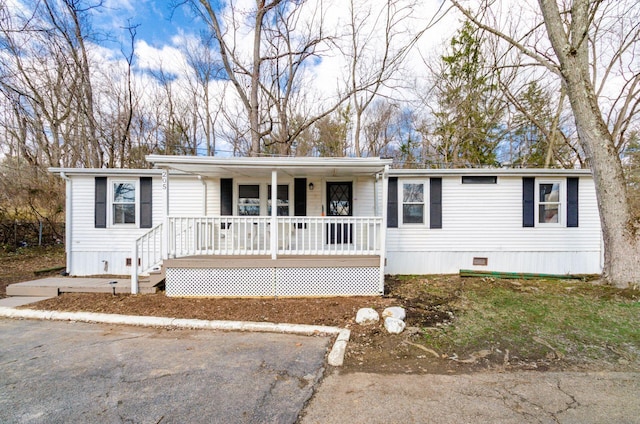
column 339, row 204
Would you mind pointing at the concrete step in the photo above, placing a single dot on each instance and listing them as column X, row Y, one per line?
column 52, row 286
column 147, row 290
column 38, row 291
column 147, row 284
column 156, row 277
column 103, row 289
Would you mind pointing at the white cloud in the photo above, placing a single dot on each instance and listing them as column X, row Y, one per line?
column 166, row 58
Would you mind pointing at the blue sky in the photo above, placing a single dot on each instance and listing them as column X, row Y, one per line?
column 157, row 21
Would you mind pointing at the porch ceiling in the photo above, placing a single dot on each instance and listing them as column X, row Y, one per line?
column 262, row 167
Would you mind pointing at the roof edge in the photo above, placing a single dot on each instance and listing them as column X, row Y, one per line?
column 269, row 162
column 104, row 171
column 488, row 171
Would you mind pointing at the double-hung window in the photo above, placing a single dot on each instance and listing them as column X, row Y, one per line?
column 550, row 202
column 123, row 202
column 413, row 210
column 249, row 200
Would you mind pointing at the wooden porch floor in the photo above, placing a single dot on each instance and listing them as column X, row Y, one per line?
column 264, row 261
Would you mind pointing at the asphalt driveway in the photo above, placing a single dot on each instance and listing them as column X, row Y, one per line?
column 78, row 373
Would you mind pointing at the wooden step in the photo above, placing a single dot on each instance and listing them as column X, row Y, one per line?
column 148, row 284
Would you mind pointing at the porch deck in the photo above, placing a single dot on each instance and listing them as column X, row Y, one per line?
column 265, row 256
column 283, row 261
column 263, row 276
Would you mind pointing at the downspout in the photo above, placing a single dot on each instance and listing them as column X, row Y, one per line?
column 375, row 195
column 383, row 226
column 204, row 195
column 68, row 220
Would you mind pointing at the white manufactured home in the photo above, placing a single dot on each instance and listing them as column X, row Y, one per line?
column 207, row 225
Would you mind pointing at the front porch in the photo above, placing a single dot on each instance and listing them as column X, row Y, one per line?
column 242, row 256
column 242, row 246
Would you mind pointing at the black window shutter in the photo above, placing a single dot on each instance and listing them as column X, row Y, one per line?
column 572, row 202
column 226, row 196
column 528, row 201
column 392, row 203
column 435, row 202
column 100, row 205
column 300, row 197
column 146, row 206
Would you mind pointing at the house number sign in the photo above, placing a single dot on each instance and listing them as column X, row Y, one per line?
column 164, row 180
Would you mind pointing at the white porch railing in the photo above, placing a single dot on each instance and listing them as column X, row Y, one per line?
column 147, row 253
column 233, row 235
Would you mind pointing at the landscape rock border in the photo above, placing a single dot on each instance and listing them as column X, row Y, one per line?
column 393, row 318
column 335, row 357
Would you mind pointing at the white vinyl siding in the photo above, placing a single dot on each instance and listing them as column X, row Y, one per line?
column 97, row 251
column 363, row 197
column 186, row 196
column 486, row 220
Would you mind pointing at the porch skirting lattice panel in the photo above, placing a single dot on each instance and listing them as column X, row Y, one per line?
column 273, row 281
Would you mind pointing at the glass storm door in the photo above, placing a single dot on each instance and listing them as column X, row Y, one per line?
column 339, row 203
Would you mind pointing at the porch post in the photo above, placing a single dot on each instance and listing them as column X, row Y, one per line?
column 274, row 214
column 383, row 225
column 165, row 203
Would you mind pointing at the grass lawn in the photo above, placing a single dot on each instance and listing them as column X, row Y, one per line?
column 534, row 319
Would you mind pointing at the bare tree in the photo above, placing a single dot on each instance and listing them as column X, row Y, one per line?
column 272, row 79
column 380, row 35
column 592, row 43
column 382, row 127
column 206, row 68
column 245, row 75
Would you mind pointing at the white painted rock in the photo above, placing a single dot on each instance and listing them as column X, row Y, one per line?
column 367, row 316
column 394, row 312
column 394, row 325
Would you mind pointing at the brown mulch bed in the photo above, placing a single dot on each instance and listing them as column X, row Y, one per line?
column 337, row 311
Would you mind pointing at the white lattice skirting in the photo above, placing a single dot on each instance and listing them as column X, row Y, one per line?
column 271, row 282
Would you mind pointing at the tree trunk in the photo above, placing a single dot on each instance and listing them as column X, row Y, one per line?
column 621, row 247
column 622, row 258
column 254, row 111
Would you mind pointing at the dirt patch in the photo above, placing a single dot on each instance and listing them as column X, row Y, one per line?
column 20, row 265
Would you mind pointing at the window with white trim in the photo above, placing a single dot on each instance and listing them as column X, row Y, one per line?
column 413, row 207
column 123, row 202
column 550, row 201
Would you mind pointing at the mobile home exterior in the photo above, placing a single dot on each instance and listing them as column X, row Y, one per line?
column 339, row 225
column 510, row 220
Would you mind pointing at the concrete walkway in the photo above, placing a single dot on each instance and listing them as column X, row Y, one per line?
column 498, row 398
column 15, row 301
column 53, row 286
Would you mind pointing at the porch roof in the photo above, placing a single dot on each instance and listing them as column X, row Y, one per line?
column 263, row 166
